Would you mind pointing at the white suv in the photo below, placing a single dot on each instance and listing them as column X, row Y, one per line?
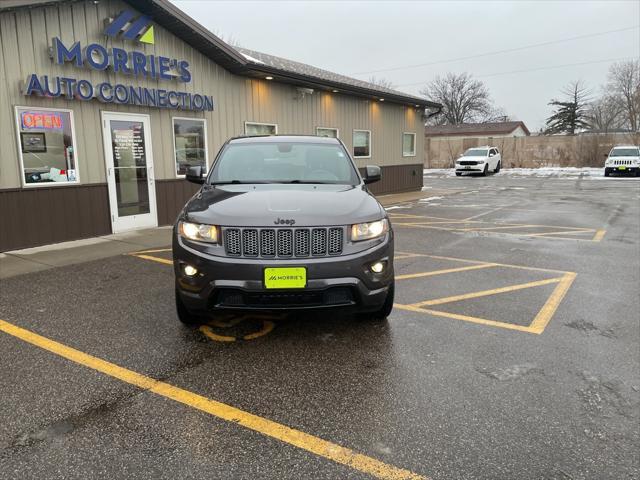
column 479, row 160
column 623, row 159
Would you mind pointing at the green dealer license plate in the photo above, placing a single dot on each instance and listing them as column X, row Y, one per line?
column 622, row 168
column 285, row 277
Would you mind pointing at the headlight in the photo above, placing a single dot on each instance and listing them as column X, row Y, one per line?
column 367, row 231
column 199, row 232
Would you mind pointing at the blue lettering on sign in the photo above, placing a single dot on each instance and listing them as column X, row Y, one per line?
column 61, row 54
column 34, row 86
column 89, row 54
column 135, row 63
column 83, row 89
column 102, row 95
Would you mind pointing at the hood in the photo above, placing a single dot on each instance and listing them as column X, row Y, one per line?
column 633, row 158
column 475, row 157
column 280, row 205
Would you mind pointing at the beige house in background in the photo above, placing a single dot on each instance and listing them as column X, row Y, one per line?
column 475, row 130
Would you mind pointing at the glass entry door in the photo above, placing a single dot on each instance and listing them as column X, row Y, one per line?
column 127, row 146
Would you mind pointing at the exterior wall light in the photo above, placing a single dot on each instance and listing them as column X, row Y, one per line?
column 268, row 78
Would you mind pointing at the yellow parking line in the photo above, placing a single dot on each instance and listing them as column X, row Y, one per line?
column 208, row 332
column 484, row 293
column 544, row 315
column 565, row 232
column 296, row 438
column 506, row 265
column 154, row 259
column 267, row 327
column 439, row 222
column 455, row 316
column 441, row 272
column 157, row 250
column 482, row 229
column 599, row 235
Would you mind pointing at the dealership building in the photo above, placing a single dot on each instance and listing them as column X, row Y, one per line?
column 105, row 103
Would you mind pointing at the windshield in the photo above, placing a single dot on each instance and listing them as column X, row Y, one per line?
column 624, row 152
column 476, row 152
column 285, row 162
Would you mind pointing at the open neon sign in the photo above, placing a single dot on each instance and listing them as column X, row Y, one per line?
column 41, row 120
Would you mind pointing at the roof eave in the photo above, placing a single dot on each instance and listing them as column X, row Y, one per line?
column 285, row 76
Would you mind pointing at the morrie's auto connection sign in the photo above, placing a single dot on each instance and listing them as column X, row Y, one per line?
column 122, row 62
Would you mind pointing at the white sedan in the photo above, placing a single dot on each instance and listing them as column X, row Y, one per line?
column 479, row 160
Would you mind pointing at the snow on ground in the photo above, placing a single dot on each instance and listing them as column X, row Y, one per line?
column 528, row 172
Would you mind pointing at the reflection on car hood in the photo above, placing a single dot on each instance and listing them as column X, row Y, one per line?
column 264, row 205
column 472, row 158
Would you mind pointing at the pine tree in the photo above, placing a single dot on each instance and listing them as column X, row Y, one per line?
column 571, row 113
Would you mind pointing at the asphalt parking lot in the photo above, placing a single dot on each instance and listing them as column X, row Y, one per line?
column 512, row 353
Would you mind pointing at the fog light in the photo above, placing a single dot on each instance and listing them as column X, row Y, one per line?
column 377, row 267
column 189, row 271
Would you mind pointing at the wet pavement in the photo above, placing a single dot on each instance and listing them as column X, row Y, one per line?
column 512, row 353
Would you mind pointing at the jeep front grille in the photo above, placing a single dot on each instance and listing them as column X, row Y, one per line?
column 623, row 162
column 283, row 242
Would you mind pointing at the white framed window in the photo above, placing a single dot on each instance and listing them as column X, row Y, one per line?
column 408, row 144
column 189, row 144
column 255, row 128
column 327, row 132
column 362, row 143
column 46, row 146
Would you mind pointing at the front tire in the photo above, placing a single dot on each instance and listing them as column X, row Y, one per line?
column 458, row 174
column 606, row 172
column 385, row 311
column 486, row 170
column 185, row 317
column 498, row 166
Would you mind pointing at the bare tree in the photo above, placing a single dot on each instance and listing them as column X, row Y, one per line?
column 606, row 113
column 570, row 113
column 624, row 86
column 228, row 39
column 382, row 82
column 463, row 98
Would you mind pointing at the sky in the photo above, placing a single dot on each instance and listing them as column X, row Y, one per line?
column 360, row 38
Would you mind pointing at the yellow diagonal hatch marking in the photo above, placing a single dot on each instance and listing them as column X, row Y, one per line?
column 291, row 436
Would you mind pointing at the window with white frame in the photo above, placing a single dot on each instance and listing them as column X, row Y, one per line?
column 327, row 132
column 361, row 143
column 253, row 128
column 46, row 142
column 408, row 144
column 189, row 143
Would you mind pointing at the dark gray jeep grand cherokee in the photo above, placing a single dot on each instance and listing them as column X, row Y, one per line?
column 283, row 223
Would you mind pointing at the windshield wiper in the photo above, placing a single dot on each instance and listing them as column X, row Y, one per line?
column 305, row 181
column 236, row 182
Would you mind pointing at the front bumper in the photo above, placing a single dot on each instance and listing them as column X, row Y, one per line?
column 230, row 283
column 475, row 168
column 626, row 169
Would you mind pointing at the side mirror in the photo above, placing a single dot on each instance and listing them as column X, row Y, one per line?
column 491, row 155
column 372, row 174
column 195, row 174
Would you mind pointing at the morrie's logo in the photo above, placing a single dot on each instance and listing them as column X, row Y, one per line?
column 131, row 28
column 288, row 221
